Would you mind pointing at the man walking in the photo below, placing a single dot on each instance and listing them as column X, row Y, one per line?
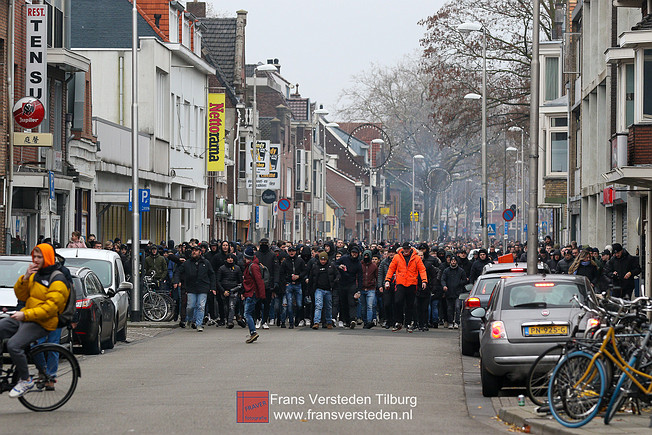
column 323, row 278
column 351, row 282
column 253, row 289
column 453, row 279
column 198, row 279
column 408, row 267
column 293, row 271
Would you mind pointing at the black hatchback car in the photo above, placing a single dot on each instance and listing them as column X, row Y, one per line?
column 94, row 322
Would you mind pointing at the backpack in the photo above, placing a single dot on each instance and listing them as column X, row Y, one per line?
column 65, row 317
column 264, row 272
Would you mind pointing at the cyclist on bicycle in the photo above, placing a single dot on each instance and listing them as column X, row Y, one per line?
column 44, row 290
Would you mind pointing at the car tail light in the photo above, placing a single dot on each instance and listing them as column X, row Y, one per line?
column 517, row 269
column 83, row 303
column 544, row 284
column 498, row 330
column 592, row 323
column 470, row 303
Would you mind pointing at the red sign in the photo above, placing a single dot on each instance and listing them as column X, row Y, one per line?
column 508, row 214
column 608, row 196
column 391, row 220
column 29, row 112
column 284, row 204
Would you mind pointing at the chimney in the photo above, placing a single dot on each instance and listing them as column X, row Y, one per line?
column 276, row 63
column 238, row 70
column 196, row 8
column 157, row 20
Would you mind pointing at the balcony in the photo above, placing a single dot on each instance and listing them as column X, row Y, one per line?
column 639, row 145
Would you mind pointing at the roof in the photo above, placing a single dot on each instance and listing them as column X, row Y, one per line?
column 300, row 108
column 355, row 145
column 109, row 29
column 94, row 254
column 219, row 41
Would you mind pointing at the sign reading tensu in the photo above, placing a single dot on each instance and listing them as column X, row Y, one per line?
column 215, row 126
column 36, row 71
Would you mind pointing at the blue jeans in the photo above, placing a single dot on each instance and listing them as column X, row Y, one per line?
column 195, row 308
column 249, row 306
column 367, row 299
column 434, row 311
column 52, row 363
column 323, row 299
column 293, row 293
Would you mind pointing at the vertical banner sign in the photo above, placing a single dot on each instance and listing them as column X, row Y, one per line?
column 36, row 50
column 215, row 126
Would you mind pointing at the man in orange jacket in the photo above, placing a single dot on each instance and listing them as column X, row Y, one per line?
column 408, row 268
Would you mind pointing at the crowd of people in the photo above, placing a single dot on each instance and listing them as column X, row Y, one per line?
column 338, row 284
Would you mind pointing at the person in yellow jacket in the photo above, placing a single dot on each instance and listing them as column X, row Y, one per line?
column 44, row 290
column 408, row 267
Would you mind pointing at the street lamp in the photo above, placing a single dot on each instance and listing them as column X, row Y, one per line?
column 468, row 28
column 457, row 220
column 505, row 186
column 325, row 170
column 520, row 199
column 254, row 152
column 412, row 216
column 380, row 143
column 313, row 225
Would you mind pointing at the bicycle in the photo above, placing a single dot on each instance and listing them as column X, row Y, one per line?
column 580, row 381
column 53, row 387
column 155, row 307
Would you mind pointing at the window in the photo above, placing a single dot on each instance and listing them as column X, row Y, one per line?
column 185, row 144
column 161, row 102
column 242, row 158
column 358, row 198
column 629, row 94
column 552, row 79
column 559, row 152
column 55, row 26
column 174, row 26
column 185, row 35
column 647, row 84
column 298, row 173
column 197, row 43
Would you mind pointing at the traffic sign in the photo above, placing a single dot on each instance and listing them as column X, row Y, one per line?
column 143, row 200
column 508, row 214
column 414, row 216
column 339, row 212
column 284, row 204
column 391, row 220
column 491, row 229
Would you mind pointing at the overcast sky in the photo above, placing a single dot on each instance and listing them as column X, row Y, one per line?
column 322, row 44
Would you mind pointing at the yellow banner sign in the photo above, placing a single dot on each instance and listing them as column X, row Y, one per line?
column 384, row 211
column 33, row 139
column 215, row 154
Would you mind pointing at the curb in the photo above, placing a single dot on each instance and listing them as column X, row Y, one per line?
column 540, row 425
column 146, row 324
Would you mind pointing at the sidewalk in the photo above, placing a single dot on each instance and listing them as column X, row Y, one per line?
column 148, row 324
column 526, row 416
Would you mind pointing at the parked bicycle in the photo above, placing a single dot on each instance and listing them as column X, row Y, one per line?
column 155, row 305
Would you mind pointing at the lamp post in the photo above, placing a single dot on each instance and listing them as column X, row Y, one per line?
column 412, row 215
column 457, row 220
column 135, row 195
column 380, row 143
column 468, row 28
column 520, row 198
column 505, row 182
column 254, row 153
column 325, row 170
column 533, row 217
column 313, row 225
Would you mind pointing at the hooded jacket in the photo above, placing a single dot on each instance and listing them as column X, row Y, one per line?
column 407, row 272
column 352, row 276
column 369, row 272
column 197, row 275
column 455, row 280
column 293, row 266
column 626, row 263
column 157, row 264
column 476, row 268
column 228, row 277
column 252, row 281
column 44, row 299
column 268, row 258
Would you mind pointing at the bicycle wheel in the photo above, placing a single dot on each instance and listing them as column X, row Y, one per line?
column 170, row 308
column 55, row 371
column 539, row 375
column 154, row 306
column 624, row 387
column 580, row 400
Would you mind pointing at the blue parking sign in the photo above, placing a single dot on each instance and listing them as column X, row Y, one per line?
column 144, row 196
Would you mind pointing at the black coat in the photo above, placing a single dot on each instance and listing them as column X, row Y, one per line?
column 292, row 266
column 197, row 276
column 353, row 274
column 330, row 269
column 228, row 277
column 476, row 269
column 270, row 260
column 455, row 280
column 626, row 263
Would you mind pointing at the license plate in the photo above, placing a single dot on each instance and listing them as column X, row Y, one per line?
column 529, row 331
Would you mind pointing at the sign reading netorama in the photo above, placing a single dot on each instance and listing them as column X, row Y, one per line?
column 215, row 130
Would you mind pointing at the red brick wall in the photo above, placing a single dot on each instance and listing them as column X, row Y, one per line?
column 344, row 193
column 639, row 145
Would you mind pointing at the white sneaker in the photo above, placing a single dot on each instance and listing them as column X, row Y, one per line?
column 334, row 323
column 456, row 326
column 450, row 326
column 340, row 324
column 265, row 325
column 302, row 323
column 258, row 324
column 21, row 388
column 308, row 322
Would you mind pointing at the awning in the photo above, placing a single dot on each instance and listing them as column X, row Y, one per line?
column 630, row 176
column 123, row 198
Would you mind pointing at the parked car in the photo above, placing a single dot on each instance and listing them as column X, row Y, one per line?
column 94, row 321
column 526, row 315
column 107, row 265
column 478, row 297
column 11, row 268
column 512, row 267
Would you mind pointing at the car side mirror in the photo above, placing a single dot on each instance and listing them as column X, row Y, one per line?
column 468, row 288
column 125, row 286
column 110, row 292
column 463, row 296
column 479, row 312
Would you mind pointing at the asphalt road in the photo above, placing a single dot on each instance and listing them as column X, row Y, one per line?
column 182, row 381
